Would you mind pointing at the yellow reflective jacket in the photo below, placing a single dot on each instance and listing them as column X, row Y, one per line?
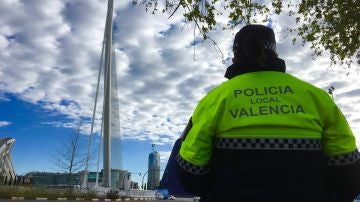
column 266, row 104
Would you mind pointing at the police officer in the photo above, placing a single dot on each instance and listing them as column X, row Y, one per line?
column 265, row 135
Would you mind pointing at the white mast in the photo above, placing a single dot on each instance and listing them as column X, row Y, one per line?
column 107, row 96
column 107, row 46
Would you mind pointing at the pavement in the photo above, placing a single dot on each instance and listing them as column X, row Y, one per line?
column 176, row 200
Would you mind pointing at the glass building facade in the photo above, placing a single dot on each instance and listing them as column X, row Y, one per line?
column 51, row 179
column 153, row 171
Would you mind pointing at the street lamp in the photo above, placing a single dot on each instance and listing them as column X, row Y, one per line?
column 142, row 181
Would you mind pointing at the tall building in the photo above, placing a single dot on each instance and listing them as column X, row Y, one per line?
column 7, row 172
column 153, row 171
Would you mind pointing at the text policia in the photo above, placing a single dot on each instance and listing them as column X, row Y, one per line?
column 267, row 102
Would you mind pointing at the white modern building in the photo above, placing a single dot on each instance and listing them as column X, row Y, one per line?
column 7, row 172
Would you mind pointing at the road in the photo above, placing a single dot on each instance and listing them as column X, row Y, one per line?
column 177, row 200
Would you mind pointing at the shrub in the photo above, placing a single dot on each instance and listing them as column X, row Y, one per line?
column 112, row 194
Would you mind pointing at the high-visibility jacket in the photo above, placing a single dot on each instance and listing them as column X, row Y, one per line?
column 267, row 133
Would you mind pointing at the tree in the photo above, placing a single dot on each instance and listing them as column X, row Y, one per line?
column 70, row 157
column 328, row 25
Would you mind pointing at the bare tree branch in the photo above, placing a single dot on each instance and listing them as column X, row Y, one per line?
column 70, row 156
column 177, row 7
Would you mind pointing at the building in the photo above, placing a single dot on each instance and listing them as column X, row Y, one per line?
column 7, row 172
column 52, row 179
column 153, row 171
column 62, row 179
column 91, row 181
column 134, row 185
column 120, row 179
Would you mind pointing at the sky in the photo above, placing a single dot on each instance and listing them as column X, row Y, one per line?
column 49, row 62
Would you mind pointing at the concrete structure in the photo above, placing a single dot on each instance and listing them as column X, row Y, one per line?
column 112, row 158
column 107, row 95
column 153, row 171
column 7, row 172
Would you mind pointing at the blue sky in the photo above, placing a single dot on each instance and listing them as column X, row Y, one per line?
column 34, row 137
column 49, row 60
column 36, row 141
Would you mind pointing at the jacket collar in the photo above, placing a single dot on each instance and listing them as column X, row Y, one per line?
column 237, row 69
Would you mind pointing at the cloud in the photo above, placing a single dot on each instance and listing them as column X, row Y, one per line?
column 3, row 98
column 50, row 55
column 4, row 123
column 164, row 156
column 60, row 124
column 351, row 93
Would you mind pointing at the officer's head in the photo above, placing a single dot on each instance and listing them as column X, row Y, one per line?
column 254, row 44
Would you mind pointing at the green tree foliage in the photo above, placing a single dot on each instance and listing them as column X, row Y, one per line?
column 328, row 25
